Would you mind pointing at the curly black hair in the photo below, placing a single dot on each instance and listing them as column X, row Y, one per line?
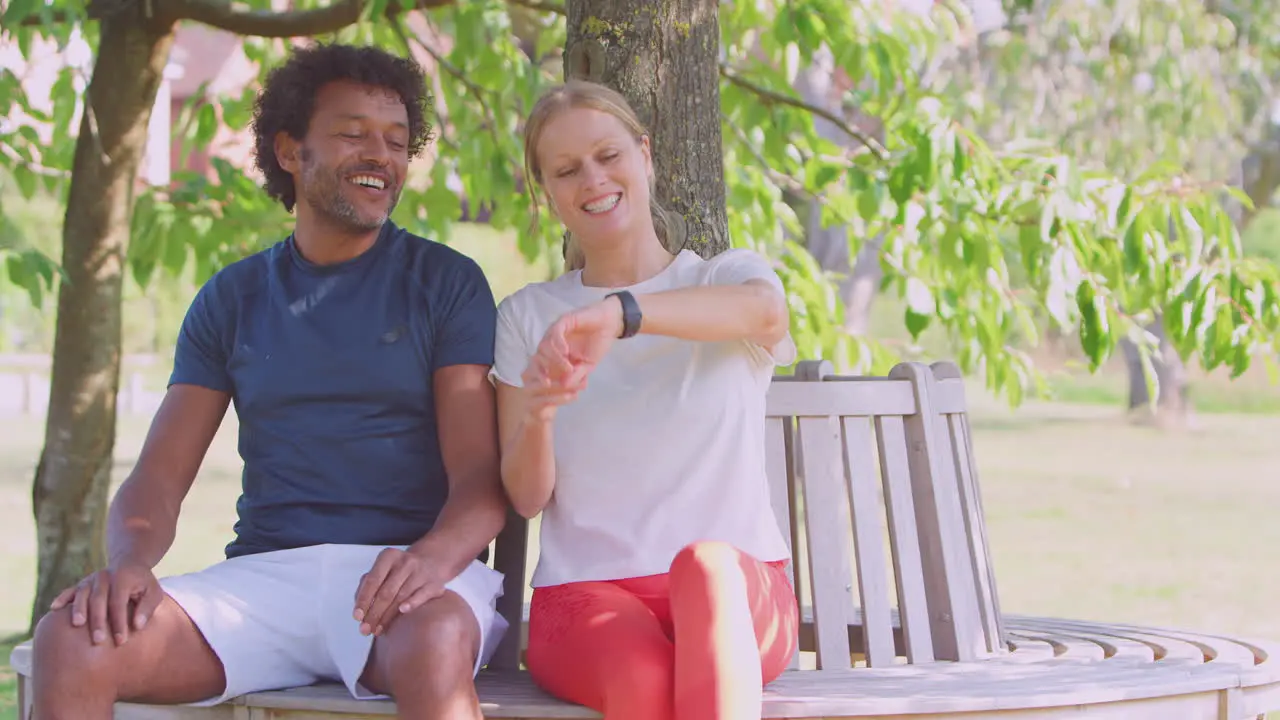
column 287, row 101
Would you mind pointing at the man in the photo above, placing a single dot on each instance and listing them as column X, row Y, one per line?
column 357, row 355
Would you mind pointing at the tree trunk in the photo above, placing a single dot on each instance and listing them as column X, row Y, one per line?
column 73, row 476
column 858, row 285
column 1173, row 406
column 664, row 58
column 864, row 286
column 1261, row 174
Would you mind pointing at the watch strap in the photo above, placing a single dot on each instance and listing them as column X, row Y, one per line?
column 630, row 313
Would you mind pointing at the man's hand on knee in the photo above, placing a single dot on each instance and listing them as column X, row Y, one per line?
column 114, row 600
column 398, row 582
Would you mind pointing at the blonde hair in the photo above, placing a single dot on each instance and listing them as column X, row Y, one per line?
column 578, row 94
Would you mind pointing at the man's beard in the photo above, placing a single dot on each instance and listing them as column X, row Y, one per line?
column 322, row 187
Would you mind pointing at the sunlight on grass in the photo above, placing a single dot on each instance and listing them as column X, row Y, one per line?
column 8, row 681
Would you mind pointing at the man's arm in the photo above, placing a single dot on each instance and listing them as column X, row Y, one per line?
column 476, row 509
column 143, row 517
column 471, row 518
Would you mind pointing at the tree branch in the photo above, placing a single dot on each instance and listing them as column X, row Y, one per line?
column 771, row 97
column 34, row 167
column 491, row 119
column 56, row 17
column 782, row 180
column 540, row 6
column 476, row 91
column 265, row 23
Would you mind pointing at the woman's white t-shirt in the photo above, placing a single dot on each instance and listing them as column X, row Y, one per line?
column 665, row 446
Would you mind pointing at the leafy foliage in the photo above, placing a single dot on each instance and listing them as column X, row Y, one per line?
column 990, row 242
column 988, row 235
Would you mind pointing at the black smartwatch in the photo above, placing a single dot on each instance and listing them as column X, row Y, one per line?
column 630, row 313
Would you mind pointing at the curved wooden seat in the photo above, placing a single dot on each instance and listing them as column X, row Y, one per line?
column 1055, row 668
column 874, row 484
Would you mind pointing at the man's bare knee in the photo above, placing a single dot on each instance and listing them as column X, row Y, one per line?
column 440, row 638
column 167, row 662
column 72, row 677
column 446, row 622
column 68, row 648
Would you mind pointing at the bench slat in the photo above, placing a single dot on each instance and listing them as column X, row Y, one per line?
column 975, row 530
column 904, row 540
column 509, row 558
column 822, row 399
column 948, row 573
column 829, row 564
column 778, row 472
column 948, row 392
column 868, row 542
column 949, row 384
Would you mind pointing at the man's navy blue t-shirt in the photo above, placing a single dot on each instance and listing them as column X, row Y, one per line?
column 330, row 369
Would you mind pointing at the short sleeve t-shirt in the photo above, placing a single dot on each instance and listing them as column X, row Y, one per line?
column 665, row 446
column 330, row 369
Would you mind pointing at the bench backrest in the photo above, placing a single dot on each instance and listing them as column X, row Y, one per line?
column 882, row 501
column 919, row 530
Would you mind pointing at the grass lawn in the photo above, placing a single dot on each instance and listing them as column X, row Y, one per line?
column 8, row 683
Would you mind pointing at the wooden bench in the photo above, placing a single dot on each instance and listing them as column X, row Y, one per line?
column 873, row 479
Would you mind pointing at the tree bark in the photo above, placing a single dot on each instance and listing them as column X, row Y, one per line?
column 69, row 494
column 1261, row 174
column 664, row 58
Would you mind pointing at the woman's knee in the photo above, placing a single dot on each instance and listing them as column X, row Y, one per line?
column 708, row 559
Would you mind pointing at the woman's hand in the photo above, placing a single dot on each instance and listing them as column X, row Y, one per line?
column 571, row 348
column 543, row 393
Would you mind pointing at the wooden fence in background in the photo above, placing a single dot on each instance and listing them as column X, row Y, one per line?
column 24, row 384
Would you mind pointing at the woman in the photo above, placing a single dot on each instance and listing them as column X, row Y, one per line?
column 631, row 394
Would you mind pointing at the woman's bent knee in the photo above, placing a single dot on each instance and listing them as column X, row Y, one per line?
column 706, row 561
column 707, row 557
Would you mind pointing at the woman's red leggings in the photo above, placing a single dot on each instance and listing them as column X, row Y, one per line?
column 696, row 643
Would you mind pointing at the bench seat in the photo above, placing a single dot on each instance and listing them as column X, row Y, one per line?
column 1053, row 668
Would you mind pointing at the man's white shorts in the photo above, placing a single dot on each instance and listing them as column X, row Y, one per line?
column 283, row 619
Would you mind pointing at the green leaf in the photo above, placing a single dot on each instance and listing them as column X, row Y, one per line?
column 1094, row 330
column 27, row 180
column 1125, row 207
column 206, row 124
column 1031, row 248
column 17, row 11
column 1135, row 250
column 920, row 307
